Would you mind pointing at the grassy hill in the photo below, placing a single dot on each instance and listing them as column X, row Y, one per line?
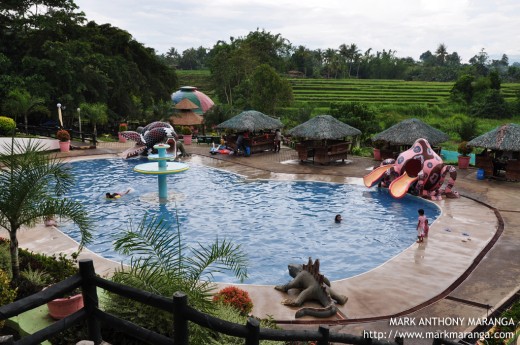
column 321, row 92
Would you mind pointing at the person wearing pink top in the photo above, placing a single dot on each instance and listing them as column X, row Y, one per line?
column 422, row 226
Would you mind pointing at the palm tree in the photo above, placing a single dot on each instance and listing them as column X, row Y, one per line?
column 162, row 264
column 96, row 113
column 31, row 185
column 441, row 53
column 20, row 102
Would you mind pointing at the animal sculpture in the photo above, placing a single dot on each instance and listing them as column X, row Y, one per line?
column 315, row 287
column 148, row 136
column 418, row 170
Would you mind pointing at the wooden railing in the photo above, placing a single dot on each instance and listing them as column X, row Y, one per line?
column 182, row 315
column 51, row 133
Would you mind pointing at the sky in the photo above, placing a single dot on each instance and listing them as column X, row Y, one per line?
column 408, row 27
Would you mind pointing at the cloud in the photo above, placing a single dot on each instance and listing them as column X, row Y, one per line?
column 409, row 27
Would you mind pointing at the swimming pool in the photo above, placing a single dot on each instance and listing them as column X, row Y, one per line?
column 276, row 222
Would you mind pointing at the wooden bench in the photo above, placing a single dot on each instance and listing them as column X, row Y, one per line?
column 513, row 170
column 325, row 155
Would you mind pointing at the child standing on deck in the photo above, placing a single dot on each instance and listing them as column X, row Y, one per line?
column 422, row 226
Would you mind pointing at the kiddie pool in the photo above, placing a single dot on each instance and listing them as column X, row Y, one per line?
column 275, row 222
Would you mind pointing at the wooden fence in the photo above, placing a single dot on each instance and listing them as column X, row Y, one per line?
column 87, row 280
column 51, row 133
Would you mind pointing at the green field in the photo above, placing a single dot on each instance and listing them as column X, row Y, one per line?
column 321, row 92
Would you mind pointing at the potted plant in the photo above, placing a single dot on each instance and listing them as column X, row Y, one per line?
column 378, row 145
column 235, row 297
column 463, row 158
column 186, row 135
column 65, row 306
column 64, row 137
column 123, row 127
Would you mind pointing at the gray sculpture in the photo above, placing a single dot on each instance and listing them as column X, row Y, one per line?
column 314, row 286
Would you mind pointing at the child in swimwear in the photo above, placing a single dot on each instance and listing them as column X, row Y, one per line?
column 422, row 225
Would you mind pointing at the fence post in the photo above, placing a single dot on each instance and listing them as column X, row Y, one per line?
column 90, row 298
column 324, row 330
column 253, row 331
column 180, row 323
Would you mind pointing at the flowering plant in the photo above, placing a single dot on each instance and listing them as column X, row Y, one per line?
column 123, row 127
column 62, row 135
column 236, row 298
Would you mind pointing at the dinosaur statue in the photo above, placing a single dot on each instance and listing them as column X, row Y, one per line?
column 314, row 286
column 150, row 135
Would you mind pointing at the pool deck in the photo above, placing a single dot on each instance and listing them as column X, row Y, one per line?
column 449, row 275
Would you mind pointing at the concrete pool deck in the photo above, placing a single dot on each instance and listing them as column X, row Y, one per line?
column 443, row 277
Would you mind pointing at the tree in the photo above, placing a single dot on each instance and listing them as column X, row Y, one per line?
column 96, row 113
column 357, row 115
column 165, row 265
column 269, row 90
column 441, row 53
column 32, row 184
column 19, row 103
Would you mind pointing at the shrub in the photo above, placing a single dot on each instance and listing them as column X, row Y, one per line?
column 123, row 127
column 7, row 294
column 7, row 125
column 236, row 298
column 185, row 130
column 464, row 149
column 62, row 135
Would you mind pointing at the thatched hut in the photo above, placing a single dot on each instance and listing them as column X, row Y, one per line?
column 402, row 135
column 184, row 115
column 251, row 123
column 501, row 151
column 324, row 139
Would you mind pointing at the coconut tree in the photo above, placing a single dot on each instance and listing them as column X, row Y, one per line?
column 19, row 102
column 96, row 113
column 162, row 264
column 32, row 186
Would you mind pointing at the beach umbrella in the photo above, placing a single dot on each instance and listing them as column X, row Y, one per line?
column 201, row 100
column 251, row 120
column 503, row 138
column 408, row 131
column 324, row 127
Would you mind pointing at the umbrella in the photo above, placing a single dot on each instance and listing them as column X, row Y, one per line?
column 323, row 127
column 503, row 138
column 200, row 99
column 251, row 120
column 408, row 131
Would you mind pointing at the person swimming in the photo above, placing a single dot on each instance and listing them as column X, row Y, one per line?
column 338, row 218
column 116, row 195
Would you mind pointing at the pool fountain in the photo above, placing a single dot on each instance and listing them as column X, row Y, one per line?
column 162, row 169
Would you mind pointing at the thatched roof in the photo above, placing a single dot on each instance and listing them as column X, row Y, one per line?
column 323, row 127
column 251, row 120
column 186, row 104
column 408, row 131
column 503, row 138
column 186, row 118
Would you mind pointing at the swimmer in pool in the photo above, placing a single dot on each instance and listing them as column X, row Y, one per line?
column 116, row 195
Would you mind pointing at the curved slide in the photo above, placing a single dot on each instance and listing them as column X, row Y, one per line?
column 376, row 175
column 399, row 187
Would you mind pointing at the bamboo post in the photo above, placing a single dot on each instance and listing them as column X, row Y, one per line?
column 90, row 299
column 180, row 323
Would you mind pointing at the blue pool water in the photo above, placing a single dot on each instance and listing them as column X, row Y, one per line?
column 275, row 222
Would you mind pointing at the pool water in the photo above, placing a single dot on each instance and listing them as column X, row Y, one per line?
column 275, row 222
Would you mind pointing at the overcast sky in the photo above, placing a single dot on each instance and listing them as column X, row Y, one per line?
column 410, row 27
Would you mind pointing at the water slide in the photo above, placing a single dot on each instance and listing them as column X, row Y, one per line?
column 399, row 187
column 376, row 175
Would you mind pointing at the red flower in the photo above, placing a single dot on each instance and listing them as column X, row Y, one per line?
column 236, row 298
